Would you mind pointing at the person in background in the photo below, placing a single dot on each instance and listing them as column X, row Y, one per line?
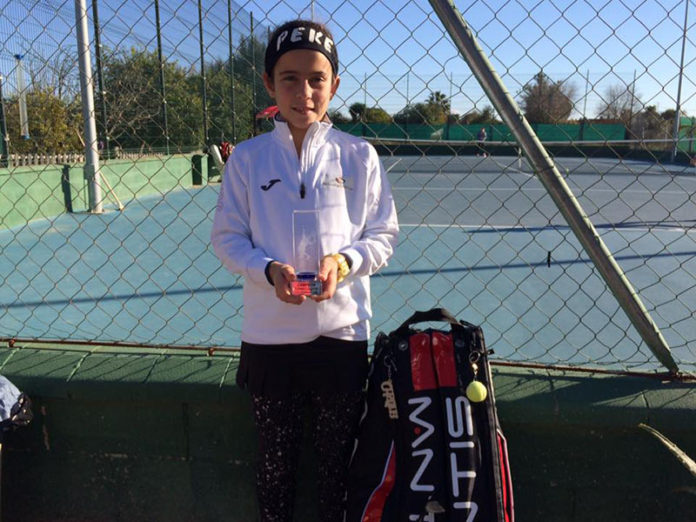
column 481, row 138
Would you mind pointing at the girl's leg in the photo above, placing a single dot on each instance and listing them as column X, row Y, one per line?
column 279, row 426
column 336, row 422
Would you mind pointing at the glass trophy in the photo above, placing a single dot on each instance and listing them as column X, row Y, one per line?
column 305, row 249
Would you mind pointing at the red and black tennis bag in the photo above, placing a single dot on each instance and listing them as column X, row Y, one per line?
column 426, row 451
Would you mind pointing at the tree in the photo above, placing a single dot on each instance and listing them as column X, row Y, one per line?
column 222, row 114
column 439, row 100
column 668, row 115
column 360, row 113
column 619, row 103
column 57, row 74
column 249, row 67
column 357, row 111
column 435, row 111
column 412, row 113
column 422, row 114
column 134, row 102
column 546, row 101
column 649, row 125
column 377, row 115
column 337, row 116
column 486, row 116
column 55, row 125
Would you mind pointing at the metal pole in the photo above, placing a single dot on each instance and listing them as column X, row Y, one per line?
column 679, row 87
column 100, row 78
column 204, row 90
column 364, row 112
column 584, row 103
column 408, row 102
column 5, row 153
column 553, row 181
column 449, row 112
column 91, row 170
column 365, row 90
column 583, row 123
column 163, row 92
column 21, row 87
column 252, row 43
column 231, row 64
column 630, row 115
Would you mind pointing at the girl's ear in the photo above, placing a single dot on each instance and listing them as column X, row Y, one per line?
column 334, row 87
column 268, row 83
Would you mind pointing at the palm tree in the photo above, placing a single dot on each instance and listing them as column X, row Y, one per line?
column 439, row 100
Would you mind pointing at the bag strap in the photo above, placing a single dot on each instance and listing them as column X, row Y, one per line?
column 460, row 329
column 434, row 314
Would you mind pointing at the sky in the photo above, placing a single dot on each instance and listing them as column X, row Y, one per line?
column 395, row 52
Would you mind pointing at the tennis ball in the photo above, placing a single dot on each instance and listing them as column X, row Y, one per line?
column 476, row 392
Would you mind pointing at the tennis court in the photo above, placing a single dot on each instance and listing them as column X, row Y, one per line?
column 480, row 236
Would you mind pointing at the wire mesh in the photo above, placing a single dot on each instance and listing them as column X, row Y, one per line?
column 609, row 90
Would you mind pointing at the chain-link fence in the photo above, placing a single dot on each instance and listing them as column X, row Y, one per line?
column 116, row 252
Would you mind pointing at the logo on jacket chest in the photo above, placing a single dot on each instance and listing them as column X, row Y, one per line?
column 270, row 184
column 337, row 182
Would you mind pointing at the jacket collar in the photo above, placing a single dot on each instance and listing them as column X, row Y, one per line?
column 317, row 130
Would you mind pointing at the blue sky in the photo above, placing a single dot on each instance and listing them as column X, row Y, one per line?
column 395, row 52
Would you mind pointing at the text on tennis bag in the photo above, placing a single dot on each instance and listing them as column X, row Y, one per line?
column 460, row 427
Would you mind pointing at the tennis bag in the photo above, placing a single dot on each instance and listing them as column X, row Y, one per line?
column 430, row 447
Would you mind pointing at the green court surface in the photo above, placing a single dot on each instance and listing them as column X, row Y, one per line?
column 480, row 236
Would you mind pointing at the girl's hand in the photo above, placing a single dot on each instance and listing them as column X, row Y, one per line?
column 328, row 275
column 282, row 275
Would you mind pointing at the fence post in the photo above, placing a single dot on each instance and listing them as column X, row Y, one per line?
column 100, row 79
column 553, row 181
column 5, row 151
column 231, row 71
column 204, row 87
column 677, row 117
column 163, row 92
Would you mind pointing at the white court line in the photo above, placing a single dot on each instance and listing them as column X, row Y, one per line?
column 454, row 225
column 394, row 164
column 535, row 228
column 540, row 189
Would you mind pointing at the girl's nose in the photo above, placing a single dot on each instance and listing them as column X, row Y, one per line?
column 305, row 90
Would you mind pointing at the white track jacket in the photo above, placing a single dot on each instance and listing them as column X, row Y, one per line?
column 344, row 181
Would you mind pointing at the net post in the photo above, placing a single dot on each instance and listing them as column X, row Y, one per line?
column 553, row 181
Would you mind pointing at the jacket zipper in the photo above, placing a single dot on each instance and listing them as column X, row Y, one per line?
column 304, row 160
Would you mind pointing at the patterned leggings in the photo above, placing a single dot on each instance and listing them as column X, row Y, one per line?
column 279, row 425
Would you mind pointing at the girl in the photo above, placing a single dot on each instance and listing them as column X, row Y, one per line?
column 300, row 349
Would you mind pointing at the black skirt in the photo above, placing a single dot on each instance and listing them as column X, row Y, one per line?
column 325, row 365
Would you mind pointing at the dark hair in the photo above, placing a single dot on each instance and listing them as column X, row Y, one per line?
column 300, row 34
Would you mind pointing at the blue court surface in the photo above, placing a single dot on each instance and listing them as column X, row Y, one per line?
column 480, row 236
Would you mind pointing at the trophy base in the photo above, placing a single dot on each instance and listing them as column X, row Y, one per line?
column 306, row 284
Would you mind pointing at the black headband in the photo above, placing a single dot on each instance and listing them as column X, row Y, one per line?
column 299, row 35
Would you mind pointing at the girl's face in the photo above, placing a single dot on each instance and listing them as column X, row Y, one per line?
column 302, row 86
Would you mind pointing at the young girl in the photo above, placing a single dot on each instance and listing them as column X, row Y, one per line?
column 301, row 349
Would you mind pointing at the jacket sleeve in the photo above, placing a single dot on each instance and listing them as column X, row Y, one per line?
column 379, row 236
column 231, row 233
